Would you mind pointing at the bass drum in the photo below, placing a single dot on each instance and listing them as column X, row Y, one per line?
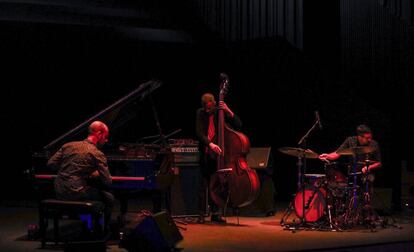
column 315, row 203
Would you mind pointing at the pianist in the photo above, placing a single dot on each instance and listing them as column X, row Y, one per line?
column 83, row 172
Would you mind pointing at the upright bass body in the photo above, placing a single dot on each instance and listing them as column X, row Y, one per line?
column 234, row 184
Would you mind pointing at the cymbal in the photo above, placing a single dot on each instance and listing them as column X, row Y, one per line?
column 356, row 150
column 366, row 162
column 298, row 152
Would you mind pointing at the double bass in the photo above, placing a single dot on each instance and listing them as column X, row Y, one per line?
column 234, row 184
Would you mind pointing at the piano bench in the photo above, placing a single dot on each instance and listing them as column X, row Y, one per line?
column 56, row 209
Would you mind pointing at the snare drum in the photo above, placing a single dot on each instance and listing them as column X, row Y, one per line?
column 314, row 179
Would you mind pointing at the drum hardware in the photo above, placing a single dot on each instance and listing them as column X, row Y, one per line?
column 351, row 216
column 359, row 209
column 354, row 151
column 331, row 204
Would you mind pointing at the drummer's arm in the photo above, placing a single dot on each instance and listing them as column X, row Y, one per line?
column 329, row 157
column 372, row 167
column 334, row 155
column 375, row 156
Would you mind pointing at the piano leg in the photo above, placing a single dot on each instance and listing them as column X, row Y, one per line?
column 159, row 200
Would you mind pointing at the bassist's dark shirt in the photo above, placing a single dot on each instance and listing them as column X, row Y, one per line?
column 207, row 164
column 202, row 121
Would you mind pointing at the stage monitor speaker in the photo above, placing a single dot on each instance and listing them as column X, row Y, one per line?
column 185, row 199
column 260, row 158
column 146, row 232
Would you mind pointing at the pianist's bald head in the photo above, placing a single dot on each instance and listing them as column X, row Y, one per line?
column 98, row 132
column 97, row 126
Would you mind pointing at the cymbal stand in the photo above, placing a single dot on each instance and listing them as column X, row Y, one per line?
column 301, row 164
column 301, row 186
column 354, row 185
column 369, row 211
column 332, row 225
column 291, row 206
column 352, row 212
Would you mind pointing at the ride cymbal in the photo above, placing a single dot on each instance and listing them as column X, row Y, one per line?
column 356, row 150
column 298, row 152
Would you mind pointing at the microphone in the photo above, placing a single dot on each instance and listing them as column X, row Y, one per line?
column 223, row 76
column 318, row 119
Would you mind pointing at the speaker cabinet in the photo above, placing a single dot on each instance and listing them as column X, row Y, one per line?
column 147, row 232
column 185, row 200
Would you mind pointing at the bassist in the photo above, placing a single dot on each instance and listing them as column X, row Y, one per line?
column 206, row 130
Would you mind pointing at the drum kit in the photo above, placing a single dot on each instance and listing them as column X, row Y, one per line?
column 332, row 200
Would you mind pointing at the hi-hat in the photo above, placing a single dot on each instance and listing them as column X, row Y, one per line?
column 298, row 152
column 356, row 150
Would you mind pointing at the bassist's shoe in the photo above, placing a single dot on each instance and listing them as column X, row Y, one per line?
column 218, row 219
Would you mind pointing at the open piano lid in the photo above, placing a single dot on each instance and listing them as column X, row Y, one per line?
column 134, row 166
column 111, row 115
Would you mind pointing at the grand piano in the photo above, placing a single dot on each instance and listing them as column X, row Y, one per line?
column 135, row 166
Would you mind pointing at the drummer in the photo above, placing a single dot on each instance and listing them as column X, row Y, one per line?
column 363, row 149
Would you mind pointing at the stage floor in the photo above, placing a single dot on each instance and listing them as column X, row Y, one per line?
column 253, row 234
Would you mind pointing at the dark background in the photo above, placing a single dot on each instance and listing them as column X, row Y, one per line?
column 64, row 62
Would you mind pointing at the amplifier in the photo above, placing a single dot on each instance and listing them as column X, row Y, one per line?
column 184, row 155
column 184, row 149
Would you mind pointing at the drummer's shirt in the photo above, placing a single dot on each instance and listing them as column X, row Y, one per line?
column 352, row 142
